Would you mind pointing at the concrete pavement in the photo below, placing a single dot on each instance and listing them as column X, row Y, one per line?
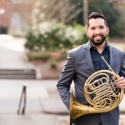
column 37, row 92
column 40, row 98
column 28, row 120
column 13, row 60
column 13, row 56
column 43, row 103
column 12, row 53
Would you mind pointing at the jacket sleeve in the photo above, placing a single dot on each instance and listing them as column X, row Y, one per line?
column 122, row 70
column 65, row 80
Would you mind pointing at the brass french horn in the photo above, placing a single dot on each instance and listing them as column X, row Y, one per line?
column 101, row 92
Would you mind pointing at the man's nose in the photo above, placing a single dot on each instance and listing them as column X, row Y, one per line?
column 97, row 31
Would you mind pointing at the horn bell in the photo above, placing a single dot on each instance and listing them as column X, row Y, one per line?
column 76, row 109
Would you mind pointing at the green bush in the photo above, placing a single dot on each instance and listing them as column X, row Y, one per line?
column 54, row 37
column 39, row 55
column 53, row 63
column 64, row 54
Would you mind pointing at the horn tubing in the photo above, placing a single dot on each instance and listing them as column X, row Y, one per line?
column 107, row 63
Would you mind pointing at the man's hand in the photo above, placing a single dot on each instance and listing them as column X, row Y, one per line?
column 120, row 81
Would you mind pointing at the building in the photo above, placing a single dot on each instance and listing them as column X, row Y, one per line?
column 15, row 14
column 5, row 13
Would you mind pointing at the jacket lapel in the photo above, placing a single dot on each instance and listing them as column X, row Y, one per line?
column 88, row 57
column 112, row 57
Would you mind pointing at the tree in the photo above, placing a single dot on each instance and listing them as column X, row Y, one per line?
column 112, row 13
column 55, row 10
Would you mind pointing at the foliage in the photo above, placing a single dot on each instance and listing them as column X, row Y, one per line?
column 55, row 10
column 112, row 13
column 53, row 63
column 39, row 55
column 54, row 37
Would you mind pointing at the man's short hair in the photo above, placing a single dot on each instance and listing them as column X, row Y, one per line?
column 95, row 15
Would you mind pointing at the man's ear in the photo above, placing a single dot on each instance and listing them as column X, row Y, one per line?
column 107, row 30
column 87, row 33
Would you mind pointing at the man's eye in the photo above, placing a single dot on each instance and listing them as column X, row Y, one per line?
column 101, row 27
column 92, row 28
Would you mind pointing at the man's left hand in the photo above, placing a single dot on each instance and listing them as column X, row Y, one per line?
column 121, row 82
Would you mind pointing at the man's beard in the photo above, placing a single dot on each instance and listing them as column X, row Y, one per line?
column 98, row 42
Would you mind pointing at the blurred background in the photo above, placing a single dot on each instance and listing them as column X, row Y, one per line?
column 35, row 37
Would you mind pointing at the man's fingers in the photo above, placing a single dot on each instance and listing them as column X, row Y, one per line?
column 114, row 78
column 121, row 82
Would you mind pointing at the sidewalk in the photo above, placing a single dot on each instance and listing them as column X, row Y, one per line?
column 43, row 103
column 12, row 53
column 10, row 93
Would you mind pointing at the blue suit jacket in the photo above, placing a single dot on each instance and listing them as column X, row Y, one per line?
column 79, row 67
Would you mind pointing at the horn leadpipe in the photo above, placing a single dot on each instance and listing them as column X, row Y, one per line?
column 109, row 67
column 107, row 64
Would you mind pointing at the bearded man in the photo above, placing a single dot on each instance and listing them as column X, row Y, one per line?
column 83, row 61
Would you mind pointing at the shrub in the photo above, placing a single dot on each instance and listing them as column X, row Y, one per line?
column 54, row 37
column 53, row 63
column 39, row 55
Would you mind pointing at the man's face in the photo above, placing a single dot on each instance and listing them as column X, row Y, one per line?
column 97, row 31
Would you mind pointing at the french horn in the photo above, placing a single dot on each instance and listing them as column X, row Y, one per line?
column 100, row 91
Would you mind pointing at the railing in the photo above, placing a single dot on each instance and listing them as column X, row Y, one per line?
column 22, row 102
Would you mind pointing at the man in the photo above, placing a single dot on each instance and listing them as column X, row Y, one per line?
column 83, row 61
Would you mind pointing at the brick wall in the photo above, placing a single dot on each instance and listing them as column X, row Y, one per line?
column 5, row 13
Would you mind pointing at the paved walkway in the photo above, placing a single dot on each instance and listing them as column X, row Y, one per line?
column 12, row 53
